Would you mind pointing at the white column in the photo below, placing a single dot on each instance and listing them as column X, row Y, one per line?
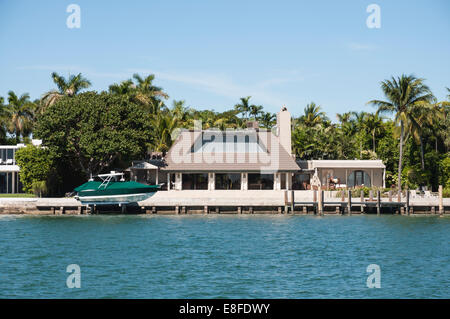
column 346, row 178
column 371, row 177
column 211, row 181
column 13, row 182
column 168, row 181
column 244, row 181
column 157, row 177
column 384, row 178
column 178, row 181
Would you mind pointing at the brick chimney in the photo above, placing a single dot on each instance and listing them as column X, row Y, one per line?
column 284, row 129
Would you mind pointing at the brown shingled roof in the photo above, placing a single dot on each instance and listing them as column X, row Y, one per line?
column 190, row 152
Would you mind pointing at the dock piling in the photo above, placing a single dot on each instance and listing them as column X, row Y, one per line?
column 441, row 201
column 407, row 202
column 321, row 202
column 378, row 203
column 349, row 203
column 362, row 201
column 292, row 202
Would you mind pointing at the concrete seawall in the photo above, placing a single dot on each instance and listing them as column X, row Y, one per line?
column 235, row 201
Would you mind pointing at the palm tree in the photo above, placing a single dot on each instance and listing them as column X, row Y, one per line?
column 126, row 87
column 268, row 119
column 243, row 107
column 146, row 87
column 374, row 124
column 402, row 94
column 313, row 115
column 255, row 110
column 164, row 124
column 3, row 119
column 20, row 111
column 66, row 87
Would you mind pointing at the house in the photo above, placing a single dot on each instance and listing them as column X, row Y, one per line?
column 332, row 174
column 9, row 170
column 250, row 159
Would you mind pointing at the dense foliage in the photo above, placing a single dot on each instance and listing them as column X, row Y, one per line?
column 36, row 166
column 94, row 132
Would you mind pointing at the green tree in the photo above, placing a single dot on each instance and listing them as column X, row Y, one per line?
column 35, row 167
column 66, row 87
column 95, row 130
column 267, row 120
column 402, row 94
column 312, row 115
column 244, row 107
column 3, row 120
column 20, row 115
column 374, row 124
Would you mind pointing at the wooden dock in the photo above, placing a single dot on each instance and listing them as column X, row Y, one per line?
column 241, row 202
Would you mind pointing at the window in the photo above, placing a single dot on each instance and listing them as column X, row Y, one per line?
column 3, row 183
column 195, row 181
column 301, row 181
column 228, row 181
column 260, row 181
column 358, row 178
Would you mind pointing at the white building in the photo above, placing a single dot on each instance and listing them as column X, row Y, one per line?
column 9, row 170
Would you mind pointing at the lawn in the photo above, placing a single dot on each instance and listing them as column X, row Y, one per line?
column 17, row 195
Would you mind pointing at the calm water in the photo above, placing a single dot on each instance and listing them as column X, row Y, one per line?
column 224, row 256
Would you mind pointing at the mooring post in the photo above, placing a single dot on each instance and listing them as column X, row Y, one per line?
column 205, row 209
column 371, row 195
column 390, row 196
column 286, row 202
column 349, row 203
column 239, row 210
column 362, row 201
column 407, row 202
column 315, row 201
column 124, row 208
column 292, row 202
column 343, row 196
column 177, row 209
column 62, row 210
column 441, row 201
column 378, row 203
column 321, row 203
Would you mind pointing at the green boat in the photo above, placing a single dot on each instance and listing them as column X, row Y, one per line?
column 111, row 191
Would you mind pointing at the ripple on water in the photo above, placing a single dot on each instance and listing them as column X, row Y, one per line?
column 224, row 256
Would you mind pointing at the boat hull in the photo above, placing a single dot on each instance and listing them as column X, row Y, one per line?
column 95, row 193
column 113, row 199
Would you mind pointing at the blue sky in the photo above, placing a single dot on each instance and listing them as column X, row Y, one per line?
column 211, row 53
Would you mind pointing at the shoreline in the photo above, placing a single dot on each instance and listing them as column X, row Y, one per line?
column 234, row 202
